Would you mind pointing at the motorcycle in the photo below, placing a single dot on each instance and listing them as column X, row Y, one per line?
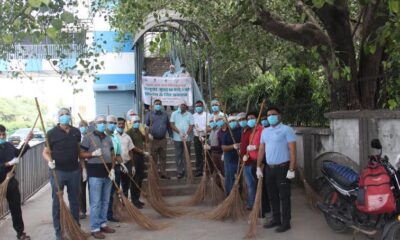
column 339, row 193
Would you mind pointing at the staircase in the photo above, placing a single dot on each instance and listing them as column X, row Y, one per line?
column 174, row 186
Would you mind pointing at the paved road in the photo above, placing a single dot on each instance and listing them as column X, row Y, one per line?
column 306, row 224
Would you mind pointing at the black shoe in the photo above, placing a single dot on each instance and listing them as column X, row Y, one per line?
column 112, row 219
column 141, row 203
column 272, row 224
column 82, row 216
column 199, row 174
column 282, row 228
column 165, row 177
column 137, row 205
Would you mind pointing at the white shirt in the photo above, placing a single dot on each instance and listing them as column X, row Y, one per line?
column 200, row 123
column 126, row 146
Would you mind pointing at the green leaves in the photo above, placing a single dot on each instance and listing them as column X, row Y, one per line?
column 318, row 3
column 67, row 17
column 394, row 6
column 38, row 3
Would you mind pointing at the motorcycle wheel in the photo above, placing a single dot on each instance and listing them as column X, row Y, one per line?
column 336, row 225
column 394, row 233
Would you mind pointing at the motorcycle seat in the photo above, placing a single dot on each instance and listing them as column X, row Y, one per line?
column 343, row 175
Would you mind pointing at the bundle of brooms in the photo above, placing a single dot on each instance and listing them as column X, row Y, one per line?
column 70, row 229
column 134, row 214
column 10, row 174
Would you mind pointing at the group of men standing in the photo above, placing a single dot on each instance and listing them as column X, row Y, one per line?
column 107, row 155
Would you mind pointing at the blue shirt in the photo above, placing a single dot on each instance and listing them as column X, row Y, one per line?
column 159, row 124
column 182, row 122
column 276, row 141
column 231, row 155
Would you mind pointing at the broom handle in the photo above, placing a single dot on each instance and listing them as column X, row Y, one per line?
column 24, row 146
column 53, row 171
column 230, row 132
column 247, row 112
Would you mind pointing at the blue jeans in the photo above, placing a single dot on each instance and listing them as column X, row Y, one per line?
column 230, row 168
column 99, row 197
column 72, row 181
column 180, row 157
column 118, row 181
column 251, row 184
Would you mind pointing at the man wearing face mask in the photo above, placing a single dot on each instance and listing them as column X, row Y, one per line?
column 8, row 158
column 215, row 124
column 200, row 124
column 64, row 141
column 244, row 154
column 183, row 72
column 83, row 127
column 119, row 165
column 264, row 121
column 216, row 108
column 182, row 124
column 171, row 72
column 230, row 148
column 139, row 154
column 98, row 147
column 278, row 145
column 158, row 125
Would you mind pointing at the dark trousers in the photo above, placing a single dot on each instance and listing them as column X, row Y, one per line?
column 82, row 193
column 278, row 187
column 216, row 158
column 180, row 157
column 198, row 149
column 14, row 202
column 117, row 170
column 139, row 165
column 71, row 180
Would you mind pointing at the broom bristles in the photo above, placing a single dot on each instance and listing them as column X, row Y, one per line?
column 230, row 208
column 119, row 209
column 3, row 193
column 138, row 217
column 255, row 212
column 312, row 196
column 162, row 209
column 199, row 196
column 70, row 229
column 215, row 194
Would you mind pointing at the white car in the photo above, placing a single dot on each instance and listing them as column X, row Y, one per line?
column 18, row 137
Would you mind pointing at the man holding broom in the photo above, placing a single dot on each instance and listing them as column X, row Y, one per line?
column 8, row 158
column 64, row 141
column 278, row 145
column 98, row 148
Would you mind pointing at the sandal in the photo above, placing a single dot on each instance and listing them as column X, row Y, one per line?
column 23, row 236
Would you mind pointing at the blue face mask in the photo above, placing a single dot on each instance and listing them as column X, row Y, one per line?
column 64, row 119
column 243, row 123
column 83, row 130
column 2, row 141
column 120, row 130
column 251, row 123
column 220, row 123
column 111, row 127
column 273, row 120
column 212, row 124
column 136, row 125
column 101, row 127
column 199, row 109
column 215, row 108
column 265, row 123
column 232, row 125
column 157, row 107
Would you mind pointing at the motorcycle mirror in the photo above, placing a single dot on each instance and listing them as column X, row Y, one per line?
column 375, row 143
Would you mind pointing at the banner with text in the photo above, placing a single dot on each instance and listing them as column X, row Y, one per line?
column 170, row 90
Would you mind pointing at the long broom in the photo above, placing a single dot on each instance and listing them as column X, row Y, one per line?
column 189, row 173
column 255, row 212
column 134, row 213
column 70, row 229
column 10, row 174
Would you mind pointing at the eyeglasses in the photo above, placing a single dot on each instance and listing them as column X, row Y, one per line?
column 111, row 122
column 101, row 122
column 272, row 114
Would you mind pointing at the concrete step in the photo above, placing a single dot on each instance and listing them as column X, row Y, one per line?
column 175, row 181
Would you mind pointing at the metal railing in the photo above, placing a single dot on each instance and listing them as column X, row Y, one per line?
column 44, row 51
column 32, row 173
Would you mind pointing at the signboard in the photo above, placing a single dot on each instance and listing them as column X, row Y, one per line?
column 170, row 90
